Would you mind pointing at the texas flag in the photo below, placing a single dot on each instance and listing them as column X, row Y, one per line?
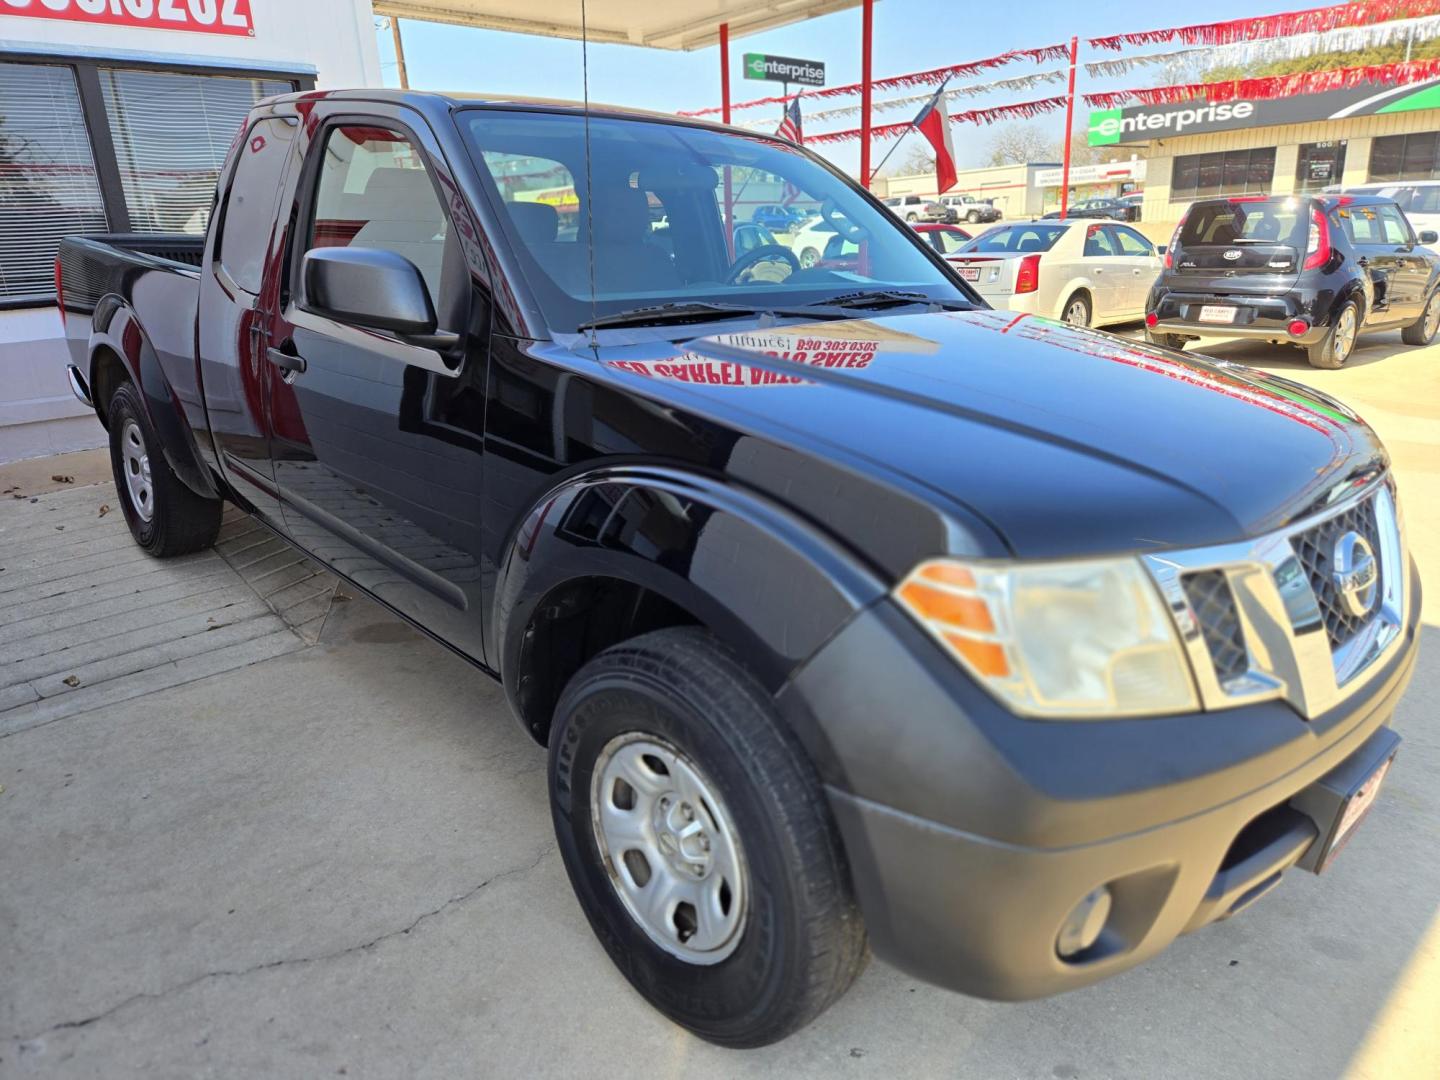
column 934, row 123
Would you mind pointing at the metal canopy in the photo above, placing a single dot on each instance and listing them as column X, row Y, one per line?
column 656, row 24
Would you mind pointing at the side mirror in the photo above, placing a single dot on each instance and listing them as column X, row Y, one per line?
column 375, row 289
column 1160, row 249
column 1429, row 236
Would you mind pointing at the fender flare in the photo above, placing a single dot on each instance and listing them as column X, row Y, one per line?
column 116, row 330
column 770, row 585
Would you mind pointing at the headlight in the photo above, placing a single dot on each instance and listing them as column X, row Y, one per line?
column 1075, row 640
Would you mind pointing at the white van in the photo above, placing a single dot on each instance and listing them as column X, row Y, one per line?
column 1420, row 199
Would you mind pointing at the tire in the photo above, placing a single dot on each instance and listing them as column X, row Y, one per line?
column 973, row 217
column 1422, row 330
column 1336, row 346
column 808, row 258
column 1077, row 310
column 165, row 517
column 1166, row 341
column 796, row 940
column 912, row 217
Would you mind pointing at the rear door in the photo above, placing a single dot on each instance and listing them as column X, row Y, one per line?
column 379, row 442
column 1381, row 240
column 236, row 305
column 1108, row 272
column 1411, row 274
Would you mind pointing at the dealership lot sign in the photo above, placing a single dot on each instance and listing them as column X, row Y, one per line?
column 1141, row 123
column 197, row 16
column 784, row 69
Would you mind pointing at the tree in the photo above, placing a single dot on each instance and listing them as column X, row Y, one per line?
column 1019, row 143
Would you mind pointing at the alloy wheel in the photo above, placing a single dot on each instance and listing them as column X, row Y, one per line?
column 1345, row 333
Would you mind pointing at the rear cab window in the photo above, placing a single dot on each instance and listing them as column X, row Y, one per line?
column 1031, row 236
column 247, row 217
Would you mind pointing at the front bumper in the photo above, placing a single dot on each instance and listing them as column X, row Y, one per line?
column 972, row 833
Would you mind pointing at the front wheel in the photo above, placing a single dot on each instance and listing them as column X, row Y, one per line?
column 1339, row 342
column 165, row 517
column 808, row 258
column 912, row 217
column 1422, row 330
column 973, row 217
column 698, row 840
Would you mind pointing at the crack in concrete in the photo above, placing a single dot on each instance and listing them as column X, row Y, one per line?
column 133, row 999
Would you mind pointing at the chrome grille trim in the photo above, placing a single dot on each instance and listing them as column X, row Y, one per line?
column 1294, row 652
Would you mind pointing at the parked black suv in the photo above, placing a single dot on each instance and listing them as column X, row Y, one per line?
column 1312, row 272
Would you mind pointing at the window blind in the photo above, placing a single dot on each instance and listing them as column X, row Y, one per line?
column 171, row 134
column 48, row 186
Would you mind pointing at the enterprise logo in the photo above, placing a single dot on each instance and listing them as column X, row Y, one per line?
column 1107, row 125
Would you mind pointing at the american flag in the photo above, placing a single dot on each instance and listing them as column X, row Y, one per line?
column 790, row 126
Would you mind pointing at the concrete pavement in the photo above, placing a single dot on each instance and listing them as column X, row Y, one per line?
column 338, row 862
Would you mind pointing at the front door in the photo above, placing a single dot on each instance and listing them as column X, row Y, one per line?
column 378, row 442
column 1109, row 279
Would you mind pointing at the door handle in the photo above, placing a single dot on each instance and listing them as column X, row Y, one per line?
column 285, row 362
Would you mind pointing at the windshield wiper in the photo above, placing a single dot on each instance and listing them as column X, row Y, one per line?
column 661, row 314
column 883, row 298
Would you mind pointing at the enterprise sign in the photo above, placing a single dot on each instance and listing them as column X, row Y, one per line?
column 784, row 69
column 1141, row 123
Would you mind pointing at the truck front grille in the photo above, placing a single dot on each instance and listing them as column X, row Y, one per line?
column 1214, row 606
column 1315, row 548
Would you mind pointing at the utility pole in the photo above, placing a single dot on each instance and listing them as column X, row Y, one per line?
column 399, row 52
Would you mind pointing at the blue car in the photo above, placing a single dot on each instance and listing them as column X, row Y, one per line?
column 776, row 218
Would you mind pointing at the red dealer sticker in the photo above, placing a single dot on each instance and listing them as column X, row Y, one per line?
column 197, row 16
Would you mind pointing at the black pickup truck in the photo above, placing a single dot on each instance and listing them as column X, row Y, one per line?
column 847, row 607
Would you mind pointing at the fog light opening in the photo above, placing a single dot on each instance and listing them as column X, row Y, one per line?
column 1151, row 319
column 1084, row 924
column 1298, row 327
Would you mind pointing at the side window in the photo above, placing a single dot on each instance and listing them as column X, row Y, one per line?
column 1098, row 242
column 948, row 243
column 1395, row 228
column 1425, row 200
column 250, row 202
column 1131, row 242
column 1363, row 224
column 374, row 192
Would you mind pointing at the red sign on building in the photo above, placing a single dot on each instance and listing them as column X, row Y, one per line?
column 197, row 16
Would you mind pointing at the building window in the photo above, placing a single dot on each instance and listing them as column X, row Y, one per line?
column 1319, row 165
column 171, row 134
column 1231, row 172
column 48, row 184
column 1405, row 157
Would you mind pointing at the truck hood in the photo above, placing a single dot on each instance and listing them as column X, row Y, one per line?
column 1067, row 441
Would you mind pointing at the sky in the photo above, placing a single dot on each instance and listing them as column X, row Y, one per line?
column 910, row 35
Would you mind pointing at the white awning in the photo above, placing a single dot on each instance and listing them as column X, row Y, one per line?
column 657, row 24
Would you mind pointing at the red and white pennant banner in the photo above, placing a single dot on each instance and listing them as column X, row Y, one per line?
column 1310, row 21
column 933, row 77
column 1023, row 110
column 1273, row 86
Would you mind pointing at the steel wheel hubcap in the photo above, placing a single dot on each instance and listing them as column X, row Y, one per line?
column 1345, row 333
column 136, row 463
column 670, row 848
column 1076, row 314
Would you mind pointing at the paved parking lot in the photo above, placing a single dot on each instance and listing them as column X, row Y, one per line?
column 335, row 858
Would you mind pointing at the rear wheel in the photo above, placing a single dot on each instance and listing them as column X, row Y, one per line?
column 165, row 517
column 1077, row 311
column 1339, row 342
column 1422, row 330
column 911, row 216
column 973, row 217
column 696, row 835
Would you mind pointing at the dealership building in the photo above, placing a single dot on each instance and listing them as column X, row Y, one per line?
column 115, row 115
column 1284, row 146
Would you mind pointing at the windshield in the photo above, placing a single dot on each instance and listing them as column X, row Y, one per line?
column 1225, row 223
column 1032, row 236
column 671, row 208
